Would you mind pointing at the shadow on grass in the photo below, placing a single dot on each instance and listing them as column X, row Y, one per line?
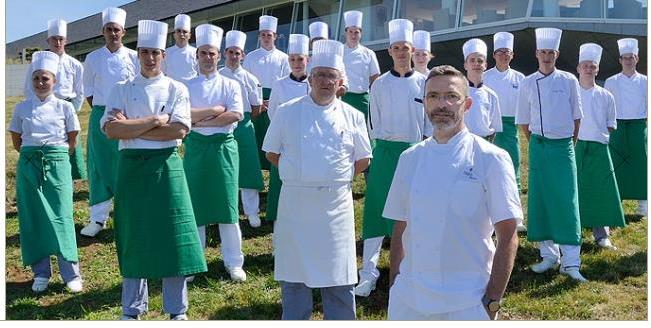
column 260, row 311
column 258, row 265
column 613, row 271
column 80, row 195
column 105, row 236
column 630, row 218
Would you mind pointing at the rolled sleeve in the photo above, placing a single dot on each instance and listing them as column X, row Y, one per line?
column 577, row 110
column 16, row 124
column 273, row 139
column 114, row 102
column 612, row 111
column 361, row 142
column 523, row 110
column 181, row 106
column 397, row 203
column 72, row 122
column 503, row 199
column 89, row 77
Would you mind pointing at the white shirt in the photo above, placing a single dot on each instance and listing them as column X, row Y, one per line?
column 396, row 108
column 284, row 90
column 451, row 195
column 318, row 145
column 212, row 91
column 506, row 85
column 484, row 117
column 630, row 95
column 44, row 123
column 267, row 66
column 599, row 114
column 103, row 69
column 180, row 63
column 251, row 88
column 361, row 63
column 69, row 81
column 549, row 104
column 141, row 97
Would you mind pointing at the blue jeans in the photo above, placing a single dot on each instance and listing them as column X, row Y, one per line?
column 338, row 301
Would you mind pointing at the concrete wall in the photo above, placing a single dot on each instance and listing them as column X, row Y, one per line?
column 15, row 79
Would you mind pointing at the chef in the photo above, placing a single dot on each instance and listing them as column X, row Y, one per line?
column 181, row 58
column 422, row 51
column 318, row 31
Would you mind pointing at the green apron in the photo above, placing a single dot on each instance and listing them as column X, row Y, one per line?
column 509, row 140
column 212, row 168
column 380, row 175
column 102, row 160
column 250, row 176
column 155, row 232
column 599, row 203
column 553, row 192
column 261, row 124
column 359, row 101
column 77, row 163
column 274, row 194
column 44, row 194
column 628, row 151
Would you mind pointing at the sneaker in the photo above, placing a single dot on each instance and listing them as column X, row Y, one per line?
column 237, row 274
column 545, row 265
column 40, row 284
column 254, row 221
column 521, row 228
column 75, row 285
column 129, row 317
column 605, row 243
column 176, row 317
column 574, row 273
column 365, row 287
column 189, row 279
column 92, row 229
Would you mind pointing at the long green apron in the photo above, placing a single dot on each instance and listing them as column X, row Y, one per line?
column 44, row 194
column 102, row 160
column 509, row 140
column 599, row 203
column 212, row 168
column 273, row 195
column 250, row 176
column 261, row 124
column 155, row 232
column 359, row 101
column 553, row 192
column 380, row 175
column 77, row 163
column 629, row 154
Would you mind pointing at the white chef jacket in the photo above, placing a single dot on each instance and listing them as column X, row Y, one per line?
column 484, row 117
column 180, row 63
column 451, row 195
column 506, row 85
column 549, row 104
column 396, row 108
column 141, row 97
column 361, row 63
column 251, row 88
column 103, row 69
column 214, row 90
column 599, row 114
column 267, row 66
column 630, row 95
column 69, row 81
column 44, row 122
column 284, row 90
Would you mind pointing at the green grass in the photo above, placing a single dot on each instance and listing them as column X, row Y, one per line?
column 617, row 289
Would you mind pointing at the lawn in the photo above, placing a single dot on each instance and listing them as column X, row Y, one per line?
column 617, row 289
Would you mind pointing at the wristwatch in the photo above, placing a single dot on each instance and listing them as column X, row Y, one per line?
column 491, row 304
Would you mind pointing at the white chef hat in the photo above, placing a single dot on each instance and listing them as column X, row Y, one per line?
column 318, row 30
column 328, row 53
column 268, row 23
column 235, row 38
column 422, row 40
column 502, row 40
column 474, row 46
column 152, row 34
column 627, row 46
column 114, row 15
column 207, row 34
column 400, row 30
column 353, row 18
column 57, row 27
column 591, row 52
column 298, row 44
column 548, row 38
column 45, row 60
column 182, row 21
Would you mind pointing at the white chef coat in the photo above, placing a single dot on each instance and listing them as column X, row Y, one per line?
column 180, row 63
column 599, row 114
column 44, row 122
column 267, row 66
column 396, row 108
column 69, row 84
column 141, row 97
column 506, row 85
column 214, row 90
column 451, row 195
column 484, row 117
column 251, row 88
column 630, row 95
column 284, row 90
column 549, row 104
column 103, row 69
column 361, row 63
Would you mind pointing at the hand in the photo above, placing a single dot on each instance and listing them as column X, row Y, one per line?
column 255, row 112
column 219, row 109
column 491, row 315
column 265, row 106
column 117, row 114
column 161, row 119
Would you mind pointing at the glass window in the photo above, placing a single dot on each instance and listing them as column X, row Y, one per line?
column 284, row 15
column 377, row 13
column 627, row 9
column 567, row 8
column 429, row 15
column 249, row 23
column 481, row 11
column 310, row 11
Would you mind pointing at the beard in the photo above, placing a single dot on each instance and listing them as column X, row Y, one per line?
column 450, row 121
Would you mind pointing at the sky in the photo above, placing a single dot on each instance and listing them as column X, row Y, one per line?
column 24, row 18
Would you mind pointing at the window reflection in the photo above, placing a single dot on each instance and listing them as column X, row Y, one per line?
column 567, row 8
column 486, row 11
column 284, row 15
column 249, row 23
column 627, row 9
column 377, row 14
column 429, row 15
column 317, row 11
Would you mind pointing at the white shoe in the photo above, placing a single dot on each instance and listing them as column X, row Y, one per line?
column 189, row 279
column 179, row 317
column 129, row 317
column 605, row 243
column 521, row 228
column 237, row 274
column 40, row 284
column 254, row 220
column 642, row 208
column 92, row 229
column 365, row 287
column 574, row 274
column 545, row 265
column 75, row 286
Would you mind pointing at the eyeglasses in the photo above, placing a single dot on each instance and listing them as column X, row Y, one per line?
column 450, row 98
column 326, row 76
column 503, row 51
